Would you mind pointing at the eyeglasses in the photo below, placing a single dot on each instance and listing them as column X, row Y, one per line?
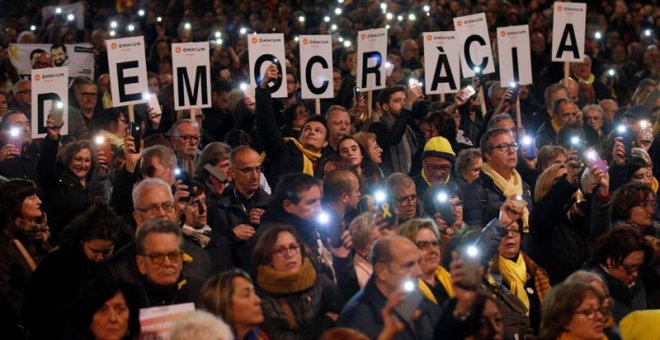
column 249, row 170
column 631, row 269
column 433, row 168
column 158, row 258
column 188, row 138
column 424, row 245
column 648, row 204
column 154, row 208
column 591, row 312
column 505, row 147
column 407, row 199
column 283, row 251
column 458, row 204
column 513, row 231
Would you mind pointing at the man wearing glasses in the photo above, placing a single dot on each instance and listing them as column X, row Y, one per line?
column 18, row 154
column 185, row 137
column 499, row 180
column 160, row 262
column 243, row 202
column 404, row 194
column 437, row 163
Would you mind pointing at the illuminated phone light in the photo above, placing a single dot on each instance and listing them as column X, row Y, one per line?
column 159, row 19
column 296, row 39
column 598, row 35
column 99, row 140
column 243, row 30
column 58, row 10
column 399, row 17
column 113, row 33
column 301, row 19
column 389, row 16
column 426, row 8
column 338, row 11
column 243, row 86
column 442, row 197
column 383, row 6
column 141, row 12
column 387, row 26
column 621, row 128
column 333, row 27
column 412, row 17
column 218, row 34
column 347, row 43
column 218, row 41
column 33, row 28
column 513, row 85
column 408, row 286
column 177, row 172
column 131, row 27
column 380, row 196
column 591, row 155
column 324, row 218
column 59, row 105
column 341, row 39
column 648, row 32
column 575, row 140
column 14, row 132
column 113, row 24
column 326, row 18
column 472, row 251
column 187, row 26
column 527, row 140
column 146, row 96
column 643, row 124
column 611, row 72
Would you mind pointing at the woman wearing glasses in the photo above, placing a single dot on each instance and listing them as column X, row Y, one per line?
column 620, row 257
column 636, row 204
column 573, row 311
column 86, row 245
column 297, row 302
column 435, row 282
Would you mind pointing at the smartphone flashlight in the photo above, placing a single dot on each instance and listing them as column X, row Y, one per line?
column 591, row 155
column 323, row 217
column 477, row 70
column 621, row 129
column 575, row 140
column 527, row 140
column 14, row 132
column 611, row 72
column 380, row 196
column 643, row 124
column 59, row 105
column 408, row 285
column 598, row 35
column 99, row 140
column 177, row 171
column 442, row 197
column 472, row 251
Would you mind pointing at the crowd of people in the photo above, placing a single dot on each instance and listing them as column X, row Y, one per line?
column 409, row 216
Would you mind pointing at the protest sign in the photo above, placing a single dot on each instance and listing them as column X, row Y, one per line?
column 50, row 96
column 128, row 70
column 316, row 66
column 265, row 50
column 441, row 62
column 568, row 30
column 192, row 75
column 474, row 44
column 78, row 57
column 514, row 55
column 371, row 54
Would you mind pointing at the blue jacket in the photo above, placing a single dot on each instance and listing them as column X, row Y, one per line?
column 362, row 313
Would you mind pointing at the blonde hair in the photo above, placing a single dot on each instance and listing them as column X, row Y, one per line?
column 546, row 180
column 411, row 227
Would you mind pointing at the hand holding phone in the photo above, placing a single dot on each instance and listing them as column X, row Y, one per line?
column 593, row 159
column 412, row 298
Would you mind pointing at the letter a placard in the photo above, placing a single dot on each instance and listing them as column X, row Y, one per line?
column 192, row 75
column 442, row 72
column 50, row 92
column 128, row 70
column 316, row 66
column 515, row 55
column 474, row 44
column 265, row 50
column 371, row 54
column 568, row 30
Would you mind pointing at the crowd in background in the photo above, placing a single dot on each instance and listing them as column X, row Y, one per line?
column 420, row 217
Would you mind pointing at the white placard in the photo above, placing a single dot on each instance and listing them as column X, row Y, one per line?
column 265, row 50
column 568, row 30
column 155, row 322
column 316, row 66
column 49, row 86
column 474, row 44
column 128, row 70
column 192, row 75
column 515, row 55
column 442, row 72
column 371, row 54
column 78, row 57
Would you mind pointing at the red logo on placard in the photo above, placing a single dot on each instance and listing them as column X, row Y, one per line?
column 254, row 40
column 459, row 23
column 37, row 77
column 559, row 8
column 305, row 41
column 177, row 49
column 502, row 33
column 114, row 45
column 363, row 36
column 429, row 37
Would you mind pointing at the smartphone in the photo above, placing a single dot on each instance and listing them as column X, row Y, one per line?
column 136, row 132
column 356, row 95
column 16, row 138
column 592, row 158
column 57, row 114
column 104, row 145
column 219, row 175
column 184, row 178
column 410, row 304
column 445, row 208
column 385, row 206
column 412, row 83
column 529, row 147
column 467, row 92
column 248, row 91
column 626, row 138
column 471, row 263
column 515, row 88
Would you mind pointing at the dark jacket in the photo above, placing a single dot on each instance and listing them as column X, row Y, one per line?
column 64, row 196
column 546, row 135
column 151, row 295
column 362, row 313
column 559, row 244
column 308, row 306
column 625, row 300
column 482, row 200
column 24, row 166
column 390, row 136
column 285, row 158
column 232, row 209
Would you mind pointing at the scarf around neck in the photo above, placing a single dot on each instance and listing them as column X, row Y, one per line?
column 515, row 274
column 443, row 276
column 307, row 155
column 514, row 186
column 277, row 282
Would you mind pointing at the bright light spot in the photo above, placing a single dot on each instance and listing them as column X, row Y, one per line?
column 296, row 39
column 347, row 43
column 218, row 41
column 59, row 105
column 341, row 39
column 399, row 17
column 146, row 96
column 99, row 140
column 243, row 30
column 519, row 198
column 643, row 124
column 113, row 24
column 131, row 27
column 621, row 129
column 477, row 69
column 408, row 286
column 648, row 32
column 58, row 10
column 324, row 218
column 333, row 27
column 187, row 26
column 598, row 35
column 442, row 197
column 301, row 18
column 427, row 8
column 159, row 19
column 387, row 26
column 177, row 171
column 70, row 17
column 112, row 33
column 383, row 6
column 591, row 154
column 527, row 140
column 513, row 85
column 243, row 86
column 389, row 16
column 15, row 132
column 338, row 11
column 326, row 18
column 610, row 72
column 575, row 140
column 340, row 1
column 412, row 17
column 141, row 12
column 33, row 28
column 472, row 251
column 380, row 196
column 218, row 34
column 388, row 64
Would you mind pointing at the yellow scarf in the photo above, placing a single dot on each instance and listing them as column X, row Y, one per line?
column 589, row 80
column 508, row 188
column 276, row 282
column 443, row 276
column 426, row 178
column 654, row 184
column 555, row 125
column 515, row 274
column 308, row 156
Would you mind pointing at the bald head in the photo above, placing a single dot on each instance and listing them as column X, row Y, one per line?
column 610, row 107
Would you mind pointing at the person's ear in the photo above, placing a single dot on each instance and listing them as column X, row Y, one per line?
column 141, row 264
column 288, row 206
column 380, row 269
